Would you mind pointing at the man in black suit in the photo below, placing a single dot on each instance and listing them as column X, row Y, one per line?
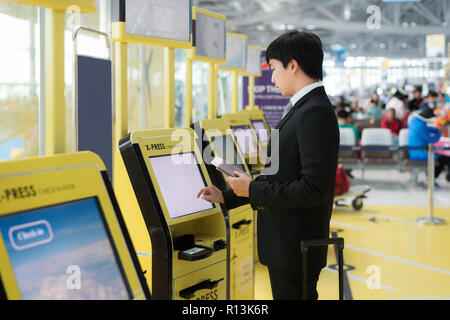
column 295, row 202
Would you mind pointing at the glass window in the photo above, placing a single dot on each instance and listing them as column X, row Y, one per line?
column 200, row 79
column 19, row 81
column 145, row 87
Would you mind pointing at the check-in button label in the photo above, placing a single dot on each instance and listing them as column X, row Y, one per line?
column 30, row 235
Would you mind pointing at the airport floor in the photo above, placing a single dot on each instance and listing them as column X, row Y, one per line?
column 388, row 255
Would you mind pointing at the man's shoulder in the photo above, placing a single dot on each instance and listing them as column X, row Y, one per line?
column 316, row 103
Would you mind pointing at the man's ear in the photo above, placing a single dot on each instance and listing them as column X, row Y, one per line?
column 293, row 66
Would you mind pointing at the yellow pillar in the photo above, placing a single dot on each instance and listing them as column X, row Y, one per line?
column 169, row 87
column 212, row 96
column 214, row 91
column 251, row 92
column 55, row 102
column 235, row 95
column 188, row 92
column 121, row 85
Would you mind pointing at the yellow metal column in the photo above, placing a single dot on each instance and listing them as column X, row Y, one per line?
column 215, row 94
column 188, row 92
column 235, row 95
column 169, row 87
column 251, row 92
column 121, row 85
column 55, row 102
column 212, row 83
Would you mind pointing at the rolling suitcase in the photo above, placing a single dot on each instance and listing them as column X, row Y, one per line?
column 306, row 244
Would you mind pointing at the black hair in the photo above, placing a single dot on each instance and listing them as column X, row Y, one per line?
column 432, row 93
column 426, row 112
column 342, row 114
column 303, row 47
column 400, row 95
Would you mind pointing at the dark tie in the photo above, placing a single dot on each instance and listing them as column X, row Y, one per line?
column 287, row 109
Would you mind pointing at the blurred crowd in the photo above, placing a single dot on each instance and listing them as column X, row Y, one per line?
column 396, row 109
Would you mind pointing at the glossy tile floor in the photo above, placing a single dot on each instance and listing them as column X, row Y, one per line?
column 388, row 254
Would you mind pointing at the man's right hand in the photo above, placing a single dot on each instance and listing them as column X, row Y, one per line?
column 211, row 194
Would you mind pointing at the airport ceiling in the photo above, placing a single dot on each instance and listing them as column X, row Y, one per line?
column 363, row 27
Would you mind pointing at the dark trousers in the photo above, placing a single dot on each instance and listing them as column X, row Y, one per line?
column 441, row 163
column 288, row 284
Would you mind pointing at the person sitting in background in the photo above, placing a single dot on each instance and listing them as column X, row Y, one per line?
column 343, row 121
column 414, row 104
column 421, row 133
column 373, row 108
column 393, row 124
column 442, row 100
column 355, row 106
column 429, row 100
column 397, row 103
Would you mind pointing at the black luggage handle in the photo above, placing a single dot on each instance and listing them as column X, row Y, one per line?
column 189, row 292
column 306, row 244
column 239, row 224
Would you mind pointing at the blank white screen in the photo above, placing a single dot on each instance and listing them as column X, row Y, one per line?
column 180, row 180
column 253, row 61
column 166, row 19
column 245, row 140
column 261, row 130
column 236, row 53
column 210, row 33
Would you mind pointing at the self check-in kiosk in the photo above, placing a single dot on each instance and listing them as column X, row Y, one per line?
column 180, row 239
column 62, row 235
column 247, row 140
column 217, row 134
column 259, row 123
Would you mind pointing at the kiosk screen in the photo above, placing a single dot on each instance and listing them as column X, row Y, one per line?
column 226, row 149
column 210, row 39
column 167, row 19
column 179, row 178
column 253, row 61
column 236, row 53
column 64, row 252
column 245, row 139
column 261, row 130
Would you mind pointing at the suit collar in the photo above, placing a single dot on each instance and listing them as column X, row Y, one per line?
column 316, row 91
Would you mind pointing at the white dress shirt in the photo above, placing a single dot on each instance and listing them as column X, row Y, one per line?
column 305, row 90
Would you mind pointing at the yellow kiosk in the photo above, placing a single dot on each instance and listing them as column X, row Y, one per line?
column 180, row 239
column 259, row 123
column 217, row 135
column 62, row 235
column 247, row 140
column 208, row 45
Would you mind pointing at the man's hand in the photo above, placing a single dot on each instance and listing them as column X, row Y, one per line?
column 211, row 194
column 240, row 184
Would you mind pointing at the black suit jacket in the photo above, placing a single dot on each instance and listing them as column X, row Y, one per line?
column 296, row 202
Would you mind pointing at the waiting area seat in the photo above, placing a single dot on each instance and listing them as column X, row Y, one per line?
column 347, row 139
column 365, row 124
column 375, row 138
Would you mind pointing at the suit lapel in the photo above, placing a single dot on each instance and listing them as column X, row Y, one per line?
column 319, row 90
